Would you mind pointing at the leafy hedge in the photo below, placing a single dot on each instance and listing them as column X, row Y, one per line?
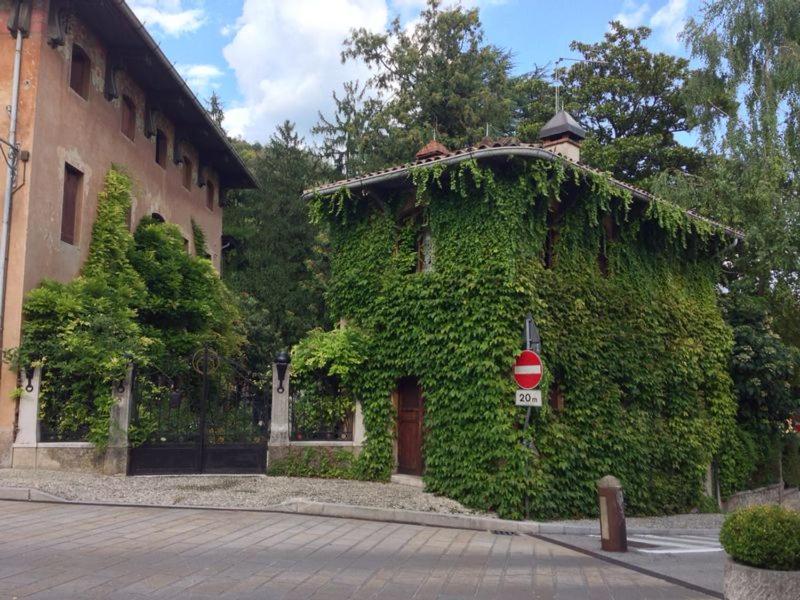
column 324, row 463
column 765, row 537
column 639, row 354
column 137, row 298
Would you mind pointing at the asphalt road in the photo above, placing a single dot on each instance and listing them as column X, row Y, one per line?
column 79, row 551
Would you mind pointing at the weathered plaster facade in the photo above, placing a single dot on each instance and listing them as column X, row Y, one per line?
column 57, row 126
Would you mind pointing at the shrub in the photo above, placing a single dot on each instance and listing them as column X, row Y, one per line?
column 315, row 462
column 766, row 537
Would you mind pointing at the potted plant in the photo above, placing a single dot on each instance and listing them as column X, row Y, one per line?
column 763, row 544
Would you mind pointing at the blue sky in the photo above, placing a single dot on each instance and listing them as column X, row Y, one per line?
column 272, row 60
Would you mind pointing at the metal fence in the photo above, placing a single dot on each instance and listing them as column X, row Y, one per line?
column 308, row 422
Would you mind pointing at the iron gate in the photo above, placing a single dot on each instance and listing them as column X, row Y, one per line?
column 212, row 417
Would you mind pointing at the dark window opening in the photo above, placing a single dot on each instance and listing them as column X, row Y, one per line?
column 157, row 218
column 555, row 219
column 128, row 124
column 187, row 173
column 73, row 180
column 609, row 234
column 556, row 398
column 161, row 148
column 79, row 72
column 210, row 195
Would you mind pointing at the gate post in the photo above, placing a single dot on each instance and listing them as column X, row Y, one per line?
column 279, row 421
column 116, row 455
column 24, row 451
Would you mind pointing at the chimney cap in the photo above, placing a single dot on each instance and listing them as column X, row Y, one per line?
column 431, row 150
column 562, row 123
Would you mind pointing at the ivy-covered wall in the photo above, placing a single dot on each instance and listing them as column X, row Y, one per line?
column 637, row 350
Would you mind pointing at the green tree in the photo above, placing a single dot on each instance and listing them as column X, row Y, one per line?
column 439, row 76
column 630, row 100
column 746, row 97
column 348, row 136
column 273, row 260
column 216, row 109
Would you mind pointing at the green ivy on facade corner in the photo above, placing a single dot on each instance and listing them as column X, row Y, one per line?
column 640, row 355
column 138, row 298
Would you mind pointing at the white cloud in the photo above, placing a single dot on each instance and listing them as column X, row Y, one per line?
column 286, row 59
column 670, row 19
column 632, row 14
column 169, row 16
column 201, row 78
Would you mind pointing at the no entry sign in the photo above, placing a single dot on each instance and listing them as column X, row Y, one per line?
column 528, row 369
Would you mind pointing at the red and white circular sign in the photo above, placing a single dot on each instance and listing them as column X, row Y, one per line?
column 528, row 369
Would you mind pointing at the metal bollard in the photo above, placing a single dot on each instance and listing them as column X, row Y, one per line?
column 613, row 533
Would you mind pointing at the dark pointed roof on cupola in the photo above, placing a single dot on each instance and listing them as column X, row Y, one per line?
column 561, row 123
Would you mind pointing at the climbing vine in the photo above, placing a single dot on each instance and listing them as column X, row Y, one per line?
column 138, row 298
column 637, row 350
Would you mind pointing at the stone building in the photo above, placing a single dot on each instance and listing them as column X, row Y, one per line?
column 88, row 88
column 437, row 262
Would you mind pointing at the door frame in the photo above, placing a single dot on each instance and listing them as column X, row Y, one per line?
column 397, row 404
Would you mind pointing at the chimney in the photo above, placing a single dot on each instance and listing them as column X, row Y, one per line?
column 562, row 134
column 432, row 149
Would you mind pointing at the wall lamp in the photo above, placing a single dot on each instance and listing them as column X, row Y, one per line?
column 282, row 361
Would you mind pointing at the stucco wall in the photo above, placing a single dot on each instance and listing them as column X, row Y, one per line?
column 56, row 125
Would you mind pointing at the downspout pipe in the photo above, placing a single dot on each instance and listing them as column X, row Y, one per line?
column 11, row 169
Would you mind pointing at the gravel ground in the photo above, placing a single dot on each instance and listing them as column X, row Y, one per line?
column 229, row 491
column 263, row 491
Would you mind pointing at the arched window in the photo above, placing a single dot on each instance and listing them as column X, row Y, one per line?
column 157, row 217
column 79, row 72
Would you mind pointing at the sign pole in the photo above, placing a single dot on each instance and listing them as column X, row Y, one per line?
column 533, row 342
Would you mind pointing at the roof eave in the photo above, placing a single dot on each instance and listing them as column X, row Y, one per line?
column 494, row 152
column 249, row 181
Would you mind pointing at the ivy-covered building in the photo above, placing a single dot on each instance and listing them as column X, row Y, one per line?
column 434, row 266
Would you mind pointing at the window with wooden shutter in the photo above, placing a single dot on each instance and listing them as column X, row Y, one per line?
column 161, row 148
column 187, row 173
column 73, row 179
column 210, row 195
column 79, row 72
column 128, row 124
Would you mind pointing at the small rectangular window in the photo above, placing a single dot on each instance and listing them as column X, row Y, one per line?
column 210, row 195
column 79, row 72
column 161, row 148
column 73, row 180
column 128, row 124
column 187, row 173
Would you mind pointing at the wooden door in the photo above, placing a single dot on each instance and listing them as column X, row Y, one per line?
column 410, row 411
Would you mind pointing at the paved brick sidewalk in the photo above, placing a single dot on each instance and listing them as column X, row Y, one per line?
column 67, row 551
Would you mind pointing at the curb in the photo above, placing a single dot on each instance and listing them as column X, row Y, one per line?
column 370, row 513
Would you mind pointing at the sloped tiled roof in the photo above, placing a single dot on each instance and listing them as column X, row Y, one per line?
column 502, row 147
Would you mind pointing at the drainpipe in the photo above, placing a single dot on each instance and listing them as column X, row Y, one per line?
column 10, row 177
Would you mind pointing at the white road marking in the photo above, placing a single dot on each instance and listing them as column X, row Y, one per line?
column 661, row 544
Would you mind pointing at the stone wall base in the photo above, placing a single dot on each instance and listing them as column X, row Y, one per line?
column 771, row 494
column 79, row 457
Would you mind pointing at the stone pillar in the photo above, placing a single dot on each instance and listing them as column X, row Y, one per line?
column 28, row 420
column 358, row 426
column 279, row 422
column 116, row 456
